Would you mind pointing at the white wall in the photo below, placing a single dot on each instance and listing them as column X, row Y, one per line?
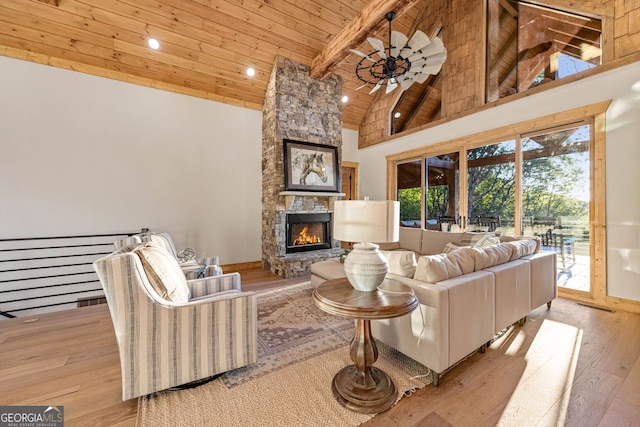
column 622, row 158
column 84, row 154
column 350, row 145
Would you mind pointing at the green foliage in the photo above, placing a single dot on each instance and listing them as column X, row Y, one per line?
column 550, row 181
column 410, row 201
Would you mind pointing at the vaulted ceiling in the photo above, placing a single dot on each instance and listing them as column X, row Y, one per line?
column 205, row 45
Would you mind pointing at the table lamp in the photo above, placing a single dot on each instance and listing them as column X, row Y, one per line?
column 366, row 221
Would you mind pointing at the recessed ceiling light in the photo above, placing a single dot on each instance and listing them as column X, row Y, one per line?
column 397, row 114
column 153, row 43
column 345, row 98
column 636, row 86
column 251, row 72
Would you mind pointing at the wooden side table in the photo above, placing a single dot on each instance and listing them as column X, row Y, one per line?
column 362, row 387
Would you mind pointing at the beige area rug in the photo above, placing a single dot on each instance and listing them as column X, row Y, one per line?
column 291, row 328
column 284, row 391
column 296, row 395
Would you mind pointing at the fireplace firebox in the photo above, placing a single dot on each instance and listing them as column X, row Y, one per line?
column 308, row 232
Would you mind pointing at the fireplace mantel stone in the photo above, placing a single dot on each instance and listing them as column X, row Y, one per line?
column 290, row 196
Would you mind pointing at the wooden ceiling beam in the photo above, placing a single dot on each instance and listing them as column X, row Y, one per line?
column 367, row 22
column 426, row 91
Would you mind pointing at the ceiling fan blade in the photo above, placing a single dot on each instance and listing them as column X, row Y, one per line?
column 418, row 41
column 378, row 46
column 364, row 55
column 421, row 77
column 391, row 85
column 435, row 47
column 406, row 83
column 376, row 87
column 398, row 41
column 436, row 59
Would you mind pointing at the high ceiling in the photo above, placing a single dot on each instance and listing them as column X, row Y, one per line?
column 205, row 45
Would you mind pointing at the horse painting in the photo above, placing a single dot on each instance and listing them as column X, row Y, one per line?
column 309, row 164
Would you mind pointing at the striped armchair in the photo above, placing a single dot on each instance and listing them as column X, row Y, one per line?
column 163, row 343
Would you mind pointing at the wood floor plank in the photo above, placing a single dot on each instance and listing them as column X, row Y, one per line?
column 630, row 389
column 621, row 414
column 591, row 394
column 563, row 367
column 619, row 356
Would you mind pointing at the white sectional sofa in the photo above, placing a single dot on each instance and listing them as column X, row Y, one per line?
column 466, row 296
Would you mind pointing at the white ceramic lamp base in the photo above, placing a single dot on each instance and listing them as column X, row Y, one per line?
column 365, row 267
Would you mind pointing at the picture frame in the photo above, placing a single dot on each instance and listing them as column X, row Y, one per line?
column 311, row 167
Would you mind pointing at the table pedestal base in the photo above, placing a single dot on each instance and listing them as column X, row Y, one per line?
column 370, row 393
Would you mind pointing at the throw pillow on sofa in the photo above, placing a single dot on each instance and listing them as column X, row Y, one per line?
column 488, row 256
column 436, row 268
column 402, row 263
column 522, row 248
column 163, row 272
column 450, row 247
column 486, row 240
column 465, row 259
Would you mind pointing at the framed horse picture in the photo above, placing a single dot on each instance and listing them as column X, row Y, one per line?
column 310, row 167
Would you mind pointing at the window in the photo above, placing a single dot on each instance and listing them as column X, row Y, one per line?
column 529, row 45
column 547, row 183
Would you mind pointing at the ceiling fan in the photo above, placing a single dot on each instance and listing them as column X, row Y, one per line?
column 403, row 62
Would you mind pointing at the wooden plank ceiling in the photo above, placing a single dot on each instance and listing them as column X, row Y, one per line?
column 205, row 45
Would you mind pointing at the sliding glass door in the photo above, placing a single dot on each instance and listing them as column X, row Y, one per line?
column 442, row 178
column 491, row 187
column 556, row 198
column 535, row 184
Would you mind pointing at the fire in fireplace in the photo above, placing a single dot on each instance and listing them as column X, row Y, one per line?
column 308, row 232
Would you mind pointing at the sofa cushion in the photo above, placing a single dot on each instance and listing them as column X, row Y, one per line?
column 392, row 246
column 411, row 238
column 536, row 240
column 521, row 248
column 465, row 259
column 450, row 247
column 433, row 242
column 488, row 256
column 163, row 272
column 436, row 268
column 402, row 263
column 329, row 269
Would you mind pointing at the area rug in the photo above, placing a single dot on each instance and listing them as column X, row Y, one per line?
column 285, row 392
column 291, row 328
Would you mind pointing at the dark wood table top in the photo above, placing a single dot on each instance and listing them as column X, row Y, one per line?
column 338, row 297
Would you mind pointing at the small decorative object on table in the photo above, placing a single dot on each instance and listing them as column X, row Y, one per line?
column 366, row 221
column 344, row 255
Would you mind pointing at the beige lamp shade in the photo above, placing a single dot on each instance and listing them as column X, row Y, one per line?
column 374, row 221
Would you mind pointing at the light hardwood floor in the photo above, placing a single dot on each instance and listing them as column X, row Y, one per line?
column 571, row 365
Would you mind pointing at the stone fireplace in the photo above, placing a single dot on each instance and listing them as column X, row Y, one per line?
column 296, row 225
column 307, row 232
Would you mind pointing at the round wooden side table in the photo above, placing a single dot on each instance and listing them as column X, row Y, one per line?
column 362, row 387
